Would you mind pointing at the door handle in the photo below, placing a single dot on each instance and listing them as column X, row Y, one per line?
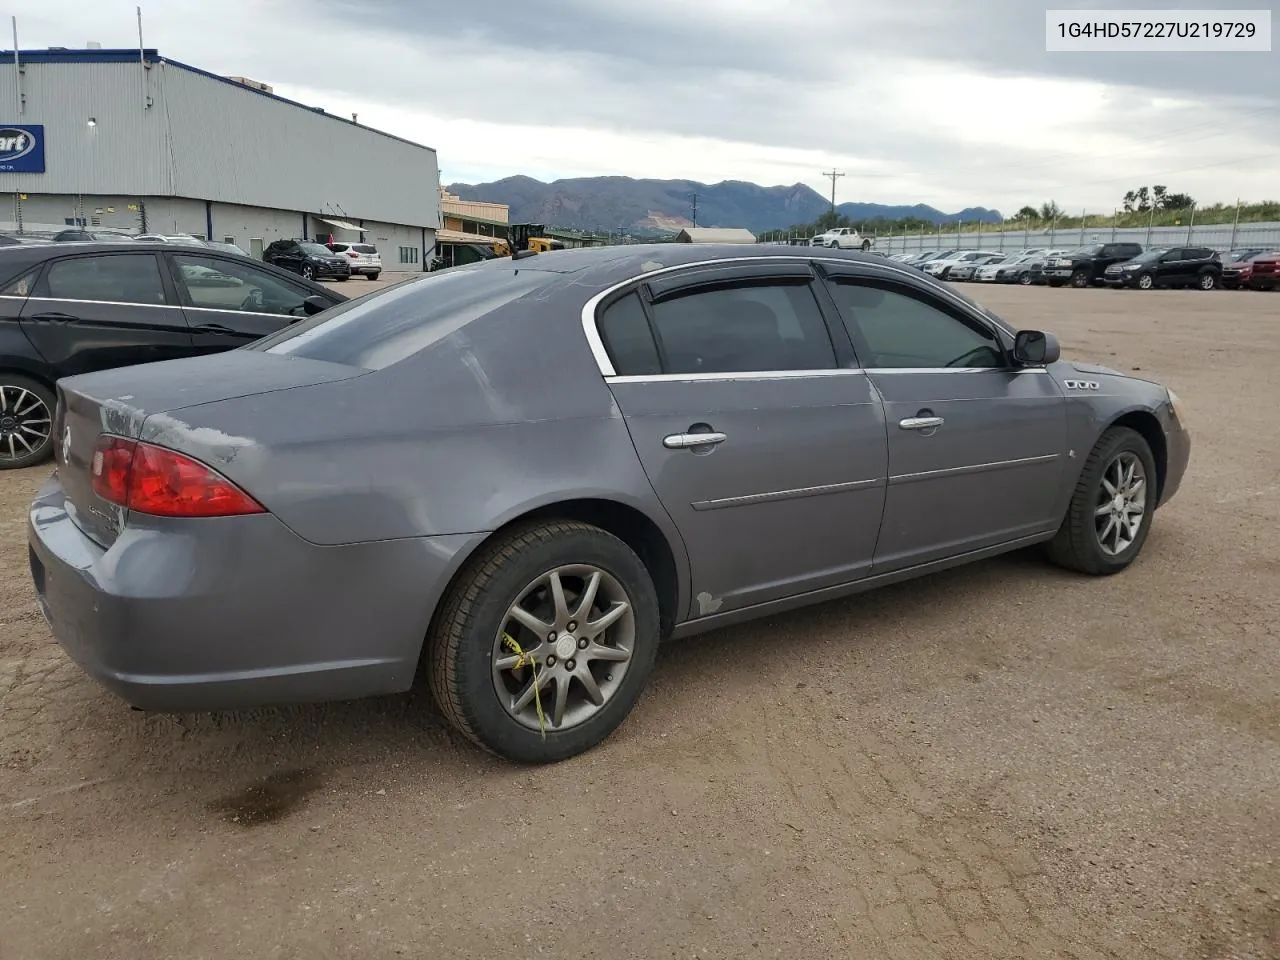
column 683, row 441
column 55, row 317
column 212, row 328
column 920, row 423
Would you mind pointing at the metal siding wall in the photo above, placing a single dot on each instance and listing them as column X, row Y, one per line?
column 234, row 145
column 175, row 215
column 124, row 153
column 247, row 223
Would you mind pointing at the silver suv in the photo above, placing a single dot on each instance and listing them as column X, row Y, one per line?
column 365, row 259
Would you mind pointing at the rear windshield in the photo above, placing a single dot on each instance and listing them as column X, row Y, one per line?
column 364, row 248
column 383, row 328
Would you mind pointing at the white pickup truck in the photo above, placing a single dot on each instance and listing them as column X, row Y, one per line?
column 846, row 238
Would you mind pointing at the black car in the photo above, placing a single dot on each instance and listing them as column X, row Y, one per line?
column 309, row 260
column 1086, row 266
column 75, row 308
column 1168, row 267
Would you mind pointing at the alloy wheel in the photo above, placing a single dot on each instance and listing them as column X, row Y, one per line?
column 1145, row 282
column 563, row 648
column 308, row 273
column 25, row 422
column 1207, row 281
column 1121, row 504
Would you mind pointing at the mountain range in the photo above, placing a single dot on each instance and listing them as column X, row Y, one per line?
column 604, row 204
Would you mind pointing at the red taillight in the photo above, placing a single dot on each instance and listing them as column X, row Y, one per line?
column 163, row 482
column 353, row 255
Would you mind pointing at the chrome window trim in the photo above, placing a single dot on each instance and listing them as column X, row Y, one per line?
column 250, row 313
column 605, row 365
column 972, row 468
column 881, row 371
column 110, row 303
column 731, row 375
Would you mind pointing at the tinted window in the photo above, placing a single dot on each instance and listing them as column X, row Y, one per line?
column 627, row 338
column 124, row 278
column 892, row 329
column 217, row 284
column 742, row 329
column 1199, row 253
column 377, row 331
column 21, row 287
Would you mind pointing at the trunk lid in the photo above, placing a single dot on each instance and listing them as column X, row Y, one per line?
column 120, row 401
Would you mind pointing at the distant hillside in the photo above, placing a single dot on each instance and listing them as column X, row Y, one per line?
column 655, row 206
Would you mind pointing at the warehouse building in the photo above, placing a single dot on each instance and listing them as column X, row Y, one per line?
column 129, row 140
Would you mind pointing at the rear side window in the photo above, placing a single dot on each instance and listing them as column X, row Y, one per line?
column 21, row 286
column 627, row 338
column 377, row 331
column 743, row 329
column 120, row 278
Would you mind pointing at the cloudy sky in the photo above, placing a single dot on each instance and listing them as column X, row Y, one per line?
column 948, row 103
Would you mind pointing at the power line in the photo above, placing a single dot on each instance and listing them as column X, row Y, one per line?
column 834, row 175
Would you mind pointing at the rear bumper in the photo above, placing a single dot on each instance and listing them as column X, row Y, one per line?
column 235, row 612
column 365, row 269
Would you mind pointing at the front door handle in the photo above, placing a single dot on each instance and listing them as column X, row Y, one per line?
column 213, row 328
column 54, row 317
column 683, row 441
column 920, row 423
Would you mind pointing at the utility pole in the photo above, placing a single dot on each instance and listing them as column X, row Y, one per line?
column 834, row 175
column 693, row 198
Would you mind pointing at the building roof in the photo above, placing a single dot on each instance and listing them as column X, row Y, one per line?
column 152, row 55
column 715, row 235
column 457, row 236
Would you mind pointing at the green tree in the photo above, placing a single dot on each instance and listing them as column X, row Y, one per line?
column 1159, row 195
column 1026, row 213
column 1050, row 211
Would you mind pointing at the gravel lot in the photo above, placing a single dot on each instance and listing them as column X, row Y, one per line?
column 999, row 761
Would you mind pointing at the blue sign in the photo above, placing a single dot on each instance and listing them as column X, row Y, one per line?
column 22, row 148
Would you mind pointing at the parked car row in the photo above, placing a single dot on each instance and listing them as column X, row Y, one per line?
column 1106, row 264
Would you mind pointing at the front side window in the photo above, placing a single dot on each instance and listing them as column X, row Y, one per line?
column 215, row 284
column 891, row 329
column 745, row 328
column 120, row 278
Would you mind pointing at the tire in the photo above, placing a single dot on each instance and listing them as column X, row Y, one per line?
column 308, row 272
column 25, row 421
column 1077, row 544
column 1206, row 281
column 834, row 244
column 1054, row 283
column 1024, row 278
column 463, row 637
column 866, row 245
column 371, row 276
column 1080, row 279
column 342, row 279
column 1146, row 282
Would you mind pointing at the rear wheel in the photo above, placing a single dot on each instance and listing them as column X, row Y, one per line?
column 866, row 245
column 1207, row 280
column 1111, row 509
column 545, row 641
column 26, row 421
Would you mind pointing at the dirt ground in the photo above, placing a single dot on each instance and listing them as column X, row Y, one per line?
column 999, row 761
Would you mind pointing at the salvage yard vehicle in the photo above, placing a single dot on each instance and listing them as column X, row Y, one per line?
column 364, row 257
column 1264, row 272
column 1197, row 267
column 1086, row 266
column 68, row 308
column 310, row 260
column 1238, row 269
column 713, row 450
column 842, row 238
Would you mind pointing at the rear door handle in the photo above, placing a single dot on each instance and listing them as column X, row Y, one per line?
column 920, row 423
column 55, row 317
column 683, row 441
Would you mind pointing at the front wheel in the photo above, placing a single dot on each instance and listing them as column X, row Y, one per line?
column 1080, row 279
column 1146, row 282
column 866, row 245
column 371, row 276
column 1207, row 281
column 1111, row 509
column 545, row 642
column 1024, row 278
column 308, row 272
column 26, row 421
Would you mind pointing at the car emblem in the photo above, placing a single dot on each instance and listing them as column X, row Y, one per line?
column 1081, row 384
column 66, row 445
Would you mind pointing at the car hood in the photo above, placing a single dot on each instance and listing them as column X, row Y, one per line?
column 1098, row 370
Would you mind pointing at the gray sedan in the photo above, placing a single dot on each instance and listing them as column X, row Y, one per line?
column 523, row 474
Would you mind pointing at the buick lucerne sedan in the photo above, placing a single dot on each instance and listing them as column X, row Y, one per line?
column 526, row 473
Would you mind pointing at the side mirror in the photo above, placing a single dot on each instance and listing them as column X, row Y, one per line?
column 1033, row 348
column 314, row 304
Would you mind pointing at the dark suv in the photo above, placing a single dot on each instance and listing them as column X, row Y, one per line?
column 312, row 261
column 1086, row 266
column 1168, row 267
column 69, row 308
